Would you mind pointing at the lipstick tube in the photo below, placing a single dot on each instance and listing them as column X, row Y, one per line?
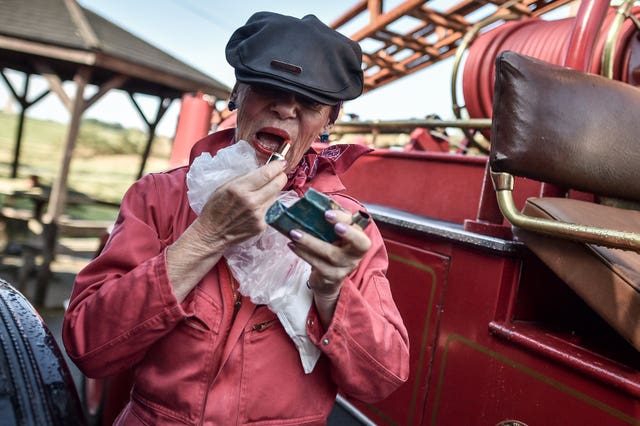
column 281, row 152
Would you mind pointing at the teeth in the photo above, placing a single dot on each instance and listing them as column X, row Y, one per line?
column 269, row 141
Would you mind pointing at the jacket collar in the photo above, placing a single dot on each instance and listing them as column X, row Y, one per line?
column 319, row 167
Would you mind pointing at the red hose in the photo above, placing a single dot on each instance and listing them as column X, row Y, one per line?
column 532, row 37
column 584, row 32
column 570, row 41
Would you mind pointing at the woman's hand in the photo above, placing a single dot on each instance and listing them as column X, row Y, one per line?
column 331, row 263
column 233, row 213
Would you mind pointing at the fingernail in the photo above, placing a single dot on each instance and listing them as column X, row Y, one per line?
column 330, row 214
column 284, row 164
column 295, row 234
column 340, row 228
column 291, row 245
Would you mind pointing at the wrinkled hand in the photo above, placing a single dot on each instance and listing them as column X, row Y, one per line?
column 235, row 211
column 331, row 263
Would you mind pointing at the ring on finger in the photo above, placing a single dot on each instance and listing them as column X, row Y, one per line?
column 361, row 218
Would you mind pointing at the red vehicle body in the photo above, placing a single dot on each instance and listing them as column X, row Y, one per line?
column 496, row 336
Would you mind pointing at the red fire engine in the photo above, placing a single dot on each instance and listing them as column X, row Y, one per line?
column 517, row 268
column 514, row 318
column 533, row 318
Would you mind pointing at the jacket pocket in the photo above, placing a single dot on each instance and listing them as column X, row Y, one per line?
column 173, row 377
column 274, row 387
column 207, row 313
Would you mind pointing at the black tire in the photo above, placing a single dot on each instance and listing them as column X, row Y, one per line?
column 36, row 387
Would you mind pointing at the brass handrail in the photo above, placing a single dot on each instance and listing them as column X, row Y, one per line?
column 464, row 46
column 608, row 51
column 503, row 185
column 408, row 125
column 460, row 51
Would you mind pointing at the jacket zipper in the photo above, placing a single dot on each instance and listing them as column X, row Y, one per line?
column 237, row 303
column 237, row 298
column 263, row 325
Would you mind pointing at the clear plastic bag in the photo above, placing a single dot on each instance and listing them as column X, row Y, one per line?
column 207, row 173
column 267, row 271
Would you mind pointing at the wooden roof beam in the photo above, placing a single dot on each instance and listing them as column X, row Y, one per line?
column 547, row 7
column 47, row 50
column 435, row 37
column 375, row 9
column 465, row 7
column 408, row 42
column 380, row 61
column 373, row 6
column 55, row 83
column 386, row 18
column 84, row 28
column 153, row 75
column 349, row 15
column 454, row 22
column 114, row 83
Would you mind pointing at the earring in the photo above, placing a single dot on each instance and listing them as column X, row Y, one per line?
column 324, row 137
column 232, row 106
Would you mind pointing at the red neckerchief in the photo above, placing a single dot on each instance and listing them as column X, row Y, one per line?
column 319, row 159
column 333, row 159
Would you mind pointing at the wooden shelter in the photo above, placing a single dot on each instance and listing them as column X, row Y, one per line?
column 63, row 41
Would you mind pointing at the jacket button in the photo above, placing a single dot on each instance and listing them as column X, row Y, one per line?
column 325, row 341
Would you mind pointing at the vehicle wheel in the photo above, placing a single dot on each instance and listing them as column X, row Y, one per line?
column 36, row 387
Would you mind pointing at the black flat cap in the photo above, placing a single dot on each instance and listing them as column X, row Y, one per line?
column 303, row 56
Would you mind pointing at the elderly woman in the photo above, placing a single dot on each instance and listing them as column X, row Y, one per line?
column 161, row 300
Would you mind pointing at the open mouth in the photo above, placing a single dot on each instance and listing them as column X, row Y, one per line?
column 269, row 140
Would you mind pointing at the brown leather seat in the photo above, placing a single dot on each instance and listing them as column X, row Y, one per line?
column 579, row 131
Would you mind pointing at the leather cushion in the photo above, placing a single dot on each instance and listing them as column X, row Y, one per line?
column 607, row 279
column 572, row 129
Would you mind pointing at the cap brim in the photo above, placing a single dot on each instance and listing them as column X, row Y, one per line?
column 288, row 87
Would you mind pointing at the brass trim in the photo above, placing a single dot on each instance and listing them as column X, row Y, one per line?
column 503, row 184
column 608, row 51
column 462, row 48
column 530, row 371
column 394, row 126
column 424, row 345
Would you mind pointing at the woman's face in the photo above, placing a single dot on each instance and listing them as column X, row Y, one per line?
column 268, row 116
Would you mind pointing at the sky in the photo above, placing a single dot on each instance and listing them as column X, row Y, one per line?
column 196, row 32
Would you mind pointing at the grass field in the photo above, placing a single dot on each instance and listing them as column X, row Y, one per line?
column 106, row 159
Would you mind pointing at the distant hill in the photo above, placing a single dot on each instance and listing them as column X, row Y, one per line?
column 106, row 158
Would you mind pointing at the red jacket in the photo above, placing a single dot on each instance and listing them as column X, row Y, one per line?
column 192, row 364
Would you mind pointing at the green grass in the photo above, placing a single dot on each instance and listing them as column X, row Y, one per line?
column 106, row 158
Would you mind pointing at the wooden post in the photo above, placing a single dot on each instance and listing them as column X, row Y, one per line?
column 16, row 151
column 59, row 188
column 162, row 108
column 24, row 104
column 50, row 239
column 58, row 196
